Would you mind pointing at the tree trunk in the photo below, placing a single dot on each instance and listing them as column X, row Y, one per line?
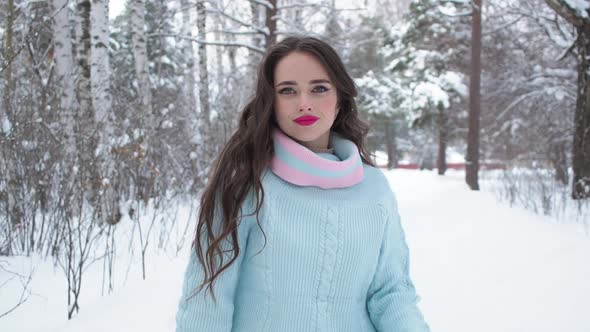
column 147, row 123
column 66, row 92
column 140, row 56
column 257, row 38
column 581, row 146
column 102, row 101
column 558, row 159
column 7, row 164
column 297, row 19
column 258, row 41
column 203, row 71
column 441, row 162
column 204, row 154
column 101, row 69
column 189, row 58
column 6, row 110
column 271, row 23
column 64, row 64
column 472, row 159
column 390, row 144
column 86, row 128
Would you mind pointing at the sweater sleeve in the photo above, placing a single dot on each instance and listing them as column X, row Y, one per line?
column 391, row 299
column 196, row 311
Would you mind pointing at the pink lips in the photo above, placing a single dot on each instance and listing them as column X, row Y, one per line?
column 306, row 120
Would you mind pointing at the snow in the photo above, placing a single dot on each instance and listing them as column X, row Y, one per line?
column 167, row 124
column 5, row 124
column 453, row 81
column 116, row 8
column 580, row 6
column 427, row 93
column 380, row 157
column 478, row 265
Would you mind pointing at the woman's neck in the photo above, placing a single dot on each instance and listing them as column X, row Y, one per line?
column 319, row 144
column 320, row 150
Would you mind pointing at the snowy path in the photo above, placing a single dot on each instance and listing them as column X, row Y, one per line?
column 478, row 266
column 481, row 266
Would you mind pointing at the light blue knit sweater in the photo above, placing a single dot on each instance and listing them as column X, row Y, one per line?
column 334, row 260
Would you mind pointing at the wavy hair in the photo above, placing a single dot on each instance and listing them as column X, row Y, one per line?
column 239, row 167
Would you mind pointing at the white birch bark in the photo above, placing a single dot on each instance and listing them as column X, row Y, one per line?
column 270, row 19
column 203, row 144
column 102, row 101
column 219, row 50
column 7, row 52
column 189, row 74
column 64, row 65
column 84, row 117
column 100, row 70
column 257, row 39
column 139, row 44
column 83, row 49
column 203, row 71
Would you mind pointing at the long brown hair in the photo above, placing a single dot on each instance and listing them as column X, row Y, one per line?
column 238, row 169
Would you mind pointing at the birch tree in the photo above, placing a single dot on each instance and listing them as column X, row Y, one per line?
column 7, row 187
column 6, row 111
column 205, row 112
column 86, row 139
column 100, row 70
column 102, row 102
column 64, row 65
column 140, row 56
column 189, row 58
column 271, row 15
column 257, row 38
column 67, row 104
column 203, row 145
column 147, row 124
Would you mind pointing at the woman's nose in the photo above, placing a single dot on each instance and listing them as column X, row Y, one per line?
column 304, row 104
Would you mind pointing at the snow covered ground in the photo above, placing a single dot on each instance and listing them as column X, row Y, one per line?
column 478, row 265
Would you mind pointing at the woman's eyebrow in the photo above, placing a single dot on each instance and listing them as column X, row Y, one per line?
column 321, row 80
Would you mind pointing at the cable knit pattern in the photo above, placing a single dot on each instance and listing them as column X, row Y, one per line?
column 329, row 260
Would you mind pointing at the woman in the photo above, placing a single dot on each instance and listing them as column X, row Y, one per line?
column 298, row 231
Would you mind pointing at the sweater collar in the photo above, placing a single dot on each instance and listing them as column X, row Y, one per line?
column 298, row 165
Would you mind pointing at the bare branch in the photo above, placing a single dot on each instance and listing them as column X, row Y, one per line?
column 317, row 5
column 24, row 296
column 567, row 50
column 503, row 26
column 237, row 20
column 213, row 43
column 229, row 32
column 263, row 3
column 28, row 36
column 565, row 11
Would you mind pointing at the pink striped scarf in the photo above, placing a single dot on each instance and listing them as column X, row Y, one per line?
column 298, row 165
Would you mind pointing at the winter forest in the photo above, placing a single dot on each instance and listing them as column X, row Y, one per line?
column 113, row 111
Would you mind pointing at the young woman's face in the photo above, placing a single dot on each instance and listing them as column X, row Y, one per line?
column 306, row 99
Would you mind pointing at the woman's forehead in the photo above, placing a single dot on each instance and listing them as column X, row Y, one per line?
column 299, row 67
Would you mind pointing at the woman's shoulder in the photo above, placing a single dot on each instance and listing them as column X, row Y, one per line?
column 376, row 179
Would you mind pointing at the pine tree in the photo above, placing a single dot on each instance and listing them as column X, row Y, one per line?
column 427, row 61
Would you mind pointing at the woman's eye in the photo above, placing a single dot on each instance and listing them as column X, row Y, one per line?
column 286, row 91
column 320, row 89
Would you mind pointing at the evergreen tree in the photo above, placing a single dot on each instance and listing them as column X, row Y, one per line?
column 427, row 54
